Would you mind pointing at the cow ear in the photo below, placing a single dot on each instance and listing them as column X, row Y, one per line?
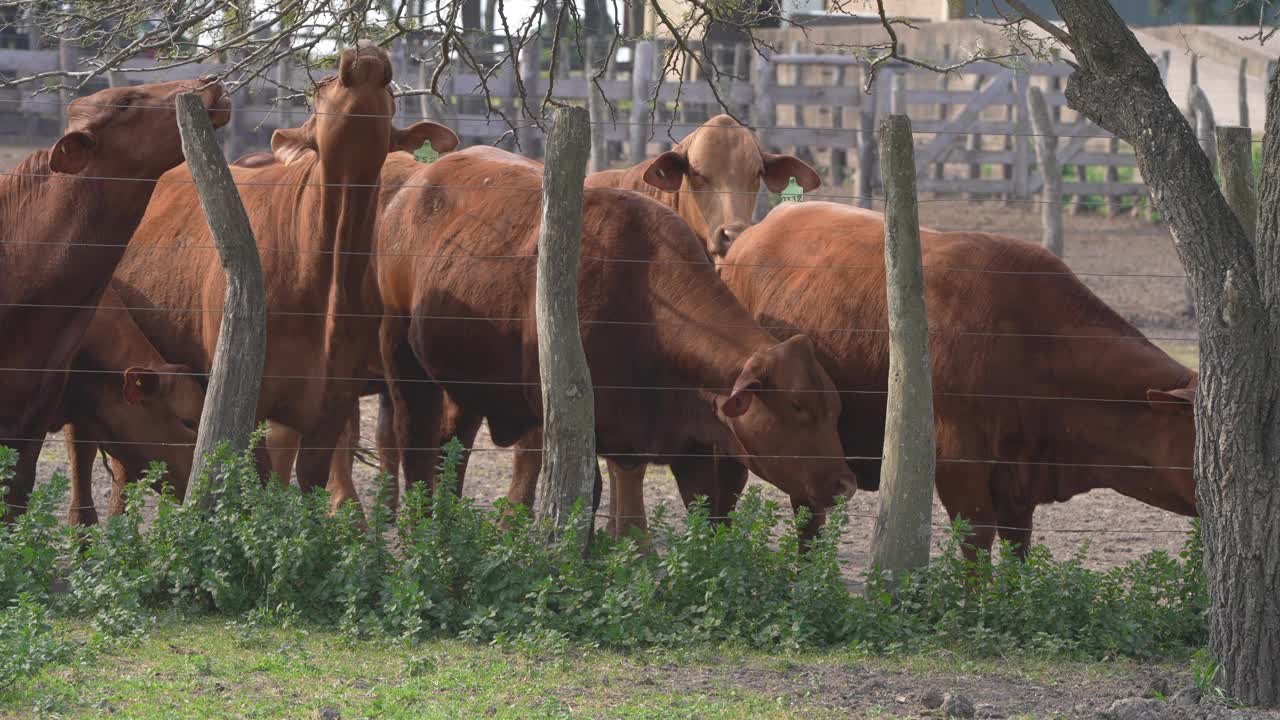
column 289, row 144
column 779, row 169
column 1173, row 402
column 667, row 171
column 411, row 138
column 744, row 389
column 71, row 153
column 139, row 382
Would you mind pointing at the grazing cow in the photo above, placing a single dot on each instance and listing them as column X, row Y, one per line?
column 1051, row 391
column 313, row 216
column 126, row 399
column 458, row 306
column 66, row 215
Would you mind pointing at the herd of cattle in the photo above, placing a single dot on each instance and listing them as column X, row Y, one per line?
column 716, row 347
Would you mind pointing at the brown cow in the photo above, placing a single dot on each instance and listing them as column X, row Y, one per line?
column 711, row 179
column 125, row 398
column 665, row 321
column 65, row 217
column 1030, row 368
column 313, row 218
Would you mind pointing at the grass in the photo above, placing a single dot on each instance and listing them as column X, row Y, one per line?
column 214, row 667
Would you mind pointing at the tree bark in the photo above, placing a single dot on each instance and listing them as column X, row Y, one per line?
column 1050, row 172
column 568, row 411
column 1236, row 286
column 231, row 402
column 904, row 523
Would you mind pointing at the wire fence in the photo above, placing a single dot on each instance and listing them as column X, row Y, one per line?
column 377, row 317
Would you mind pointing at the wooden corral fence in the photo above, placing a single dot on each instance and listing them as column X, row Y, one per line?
column 972, row 128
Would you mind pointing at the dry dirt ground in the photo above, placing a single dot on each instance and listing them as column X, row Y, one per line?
column 1101, row 249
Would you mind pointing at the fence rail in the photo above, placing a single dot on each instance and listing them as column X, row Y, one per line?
column 972, row 127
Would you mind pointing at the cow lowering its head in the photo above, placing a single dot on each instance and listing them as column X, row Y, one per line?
column 783, row 409
column 127, row 399
column 103, row 130
column 711, row 178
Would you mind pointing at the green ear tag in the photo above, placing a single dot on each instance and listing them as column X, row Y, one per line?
column 792, row 192
column 426, row 153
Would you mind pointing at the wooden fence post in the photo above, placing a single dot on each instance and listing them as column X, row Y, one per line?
column 1021, row 126
column 866, row 150
column 231, row 402
column 762, row 117
column 530, row 67
column 1243, row 91
column 1235, row 161
column 284, row 79
column 642, row 70
column 898, row 104
column 904, row 523
column 597, row 104
column 1202, row 111
column 568, row 411
column 974, row 146
column 1047, row 159
column 66, row 63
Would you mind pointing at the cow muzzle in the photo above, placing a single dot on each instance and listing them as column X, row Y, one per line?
column 722, row 238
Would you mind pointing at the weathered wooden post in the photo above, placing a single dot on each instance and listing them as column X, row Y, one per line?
column 568, row 402
column 1050, row 173
column 1021, row 163
column 866, row 149
column 231, row 401
column 284, row 80
column 642, row 70
column 597, row 104
column 530, row 69
column 1235, row 163
column 762, row 117
column 66, row 63
column 1243, row 91
column 901, row 540
column 1202, row 111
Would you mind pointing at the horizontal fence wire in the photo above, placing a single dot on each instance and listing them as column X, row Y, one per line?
column 598, row 258
column 649, row 388
column 616, row 323
column 538, row 189
column 654, row 124
column 649, row 456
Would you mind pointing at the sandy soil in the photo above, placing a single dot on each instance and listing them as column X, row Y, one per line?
column 1118, row 529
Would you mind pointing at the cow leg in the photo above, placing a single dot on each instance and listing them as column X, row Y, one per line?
column 388, row 453
column 119, row 482
column 341, row 486
column 966, row 493
column 719, row 480
column 24, row 478
column 526, row 465
column 82, row 453
column 282, row 447
column 626, row 499
column 464, row 426
column 1015, row 529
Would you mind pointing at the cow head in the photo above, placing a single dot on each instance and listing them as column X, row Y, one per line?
column 357, row 101
column 783, row 410
column 1168, row 432
column 150, row 413
column 132, row 131
column 718, row 170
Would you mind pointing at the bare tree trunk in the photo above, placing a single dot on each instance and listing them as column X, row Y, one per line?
column 1236, row 285
column 1050, row 173
column 231, row 401
column 569, row 440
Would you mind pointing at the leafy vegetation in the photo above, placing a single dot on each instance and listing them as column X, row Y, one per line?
column 448, row 569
